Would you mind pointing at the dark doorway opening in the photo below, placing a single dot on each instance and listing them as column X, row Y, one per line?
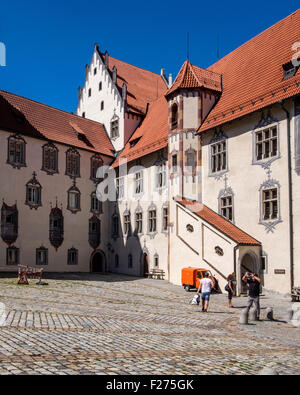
column 98, row 264
column 145, row 265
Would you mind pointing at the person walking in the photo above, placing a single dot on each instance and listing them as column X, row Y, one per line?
column 253, row 283
column 230, row 289
column 205, row 287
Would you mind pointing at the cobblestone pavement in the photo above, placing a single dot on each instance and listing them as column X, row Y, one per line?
column 112, row 324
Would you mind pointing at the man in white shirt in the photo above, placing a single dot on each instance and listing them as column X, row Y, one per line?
column 206, row 285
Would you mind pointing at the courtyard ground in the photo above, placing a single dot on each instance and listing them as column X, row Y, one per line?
column 112, row 324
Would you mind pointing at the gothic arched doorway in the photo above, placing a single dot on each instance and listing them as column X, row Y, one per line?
column 98, row 262
column 248, row 264
column 145, row 265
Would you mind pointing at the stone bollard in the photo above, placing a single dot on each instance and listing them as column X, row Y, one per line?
column 244, row 317
column 253, row 315
column 290, row 314
column 268, row 372
column 270, row 314
column 295, row 321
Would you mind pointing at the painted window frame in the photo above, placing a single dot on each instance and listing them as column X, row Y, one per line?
column 33, row 188
column 52, row 151
column 270, row 224
column 18, row 141
column 76, row 192
column 72, row 163
column 96, row 163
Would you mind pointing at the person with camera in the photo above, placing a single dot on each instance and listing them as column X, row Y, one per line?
column 253, row 283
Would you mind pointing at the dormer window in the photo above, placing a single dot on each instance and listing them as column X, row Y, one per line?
column 174, row 117
column 289, row 70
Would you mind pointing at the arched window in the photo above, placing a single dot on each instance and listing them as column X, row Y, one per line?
column 174, row 116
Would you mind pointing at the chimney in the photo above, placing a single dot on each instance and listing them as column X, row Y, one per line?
column 170, row 80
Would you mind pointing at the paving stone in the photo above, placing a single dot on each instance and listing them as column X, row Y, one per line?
column 121, row 325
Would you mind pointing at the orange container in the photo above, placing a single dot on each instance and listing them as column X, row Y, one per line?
column 191, row 276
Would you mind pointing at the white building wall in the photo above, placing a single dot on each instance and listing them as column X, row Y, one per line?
column 33, row 229
column 136, row 244
column 245, row 180
column 113, row 102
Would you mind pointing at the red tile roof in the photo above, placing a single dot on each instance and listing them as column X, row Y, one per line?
column 253, row 74
column 46, row 122
column 220, row 223
column 151, row 135
column 191, row 76
column 143, row 86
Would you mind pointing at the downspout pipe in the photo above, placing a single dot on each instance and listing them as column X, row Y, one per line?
column 290, row 192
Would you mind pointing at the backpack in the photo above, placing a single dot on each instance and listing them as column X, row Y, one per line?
column 227, row 289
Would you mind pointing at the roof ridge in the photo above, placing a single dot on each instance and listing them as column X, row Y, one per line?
column 133, row 65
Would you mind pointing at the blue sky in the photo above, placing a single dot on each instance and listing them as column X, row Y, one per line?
column 48, row 43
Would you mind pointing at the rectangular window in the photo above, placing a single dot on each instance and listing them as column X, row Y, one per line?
column 41, row 257
column 33, row 195
column 270, row 204
column 74, row 201
column 73, row 257
column 139, row 222
column 12, row 256
column 127, row 224
column 219, row 157
column 138, row 182
column 174, row 163
column 227, row 207
column 96, row 205
column 266, row 143
column 115, row 226
column 152, row 221
column 114, row 129
column 165, row 218
column 161, row 176
column 120, row 188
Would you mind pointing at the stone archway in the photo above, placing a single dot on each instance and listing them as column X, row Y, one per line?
column 98, row 262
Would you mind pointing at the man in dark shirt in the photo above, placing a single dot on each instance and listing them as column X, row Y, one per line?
column 253, row 282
